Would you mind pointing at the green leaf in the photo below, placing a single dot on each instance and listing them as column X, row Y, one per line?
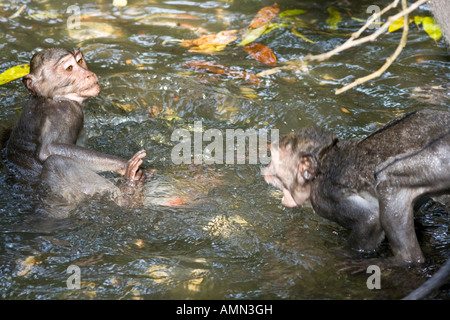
column 253, row 34
column 430, row 27
column 397, row 24
column 334, row 19
column 418, row 20
column 45, row 15
column 298, row 34
column 292, row 12
column 273, row 26
column 14, row 73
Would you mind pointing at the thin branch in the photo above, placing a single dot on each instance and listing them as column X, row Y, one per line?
column 352, row 42
column 15, row 15
column 389, row 60
column 374, row 17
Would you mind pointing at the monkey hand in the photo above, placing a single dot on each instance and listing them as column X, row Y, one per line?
column 133, row 175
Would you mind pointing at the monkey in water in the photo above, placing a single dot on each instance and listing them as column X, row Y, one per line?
column 42, row 150
column 370, row 185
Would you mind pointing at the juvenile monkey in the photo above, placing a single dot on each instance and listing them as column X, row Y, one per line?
column 370, row 185
column 42, row 148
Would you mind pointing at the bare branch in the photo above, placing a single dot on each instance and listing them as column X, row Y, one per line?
column 354, row 41
column 389, row 60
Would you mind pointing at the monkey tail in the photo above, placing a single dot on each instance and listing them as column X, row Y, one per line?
column 432, row 284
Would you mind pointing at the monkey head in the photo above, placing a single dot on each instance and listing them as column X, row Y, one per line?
column 294, row 163
column 61, row 74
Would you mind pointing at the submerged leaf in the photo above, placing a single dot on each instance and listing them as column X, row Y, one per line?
column 253, row 34
column 334, row 19
column 261, row 53
column 45, row 15
column 431, row 28
column 292, row 12
column 175, row 201
column 207, row 48
column 216, row 68
column 264, row 16
column 273, row 26
column 298, row 34
column 14, row 73
column 26, row 265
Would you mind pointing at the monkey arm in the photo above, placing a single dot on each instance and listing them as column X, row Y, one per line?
column 94, row 160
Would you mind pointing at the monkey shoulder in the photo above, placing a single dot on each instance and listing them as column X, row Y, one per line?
column 346, row 166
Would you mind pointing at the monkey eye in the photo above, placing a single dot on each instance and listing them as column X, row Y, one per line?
column 69, row 68
column 80, row 61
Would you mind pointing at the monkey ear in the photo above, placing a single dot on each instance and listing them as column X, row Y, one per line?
column 308, row 167
column 28, row 82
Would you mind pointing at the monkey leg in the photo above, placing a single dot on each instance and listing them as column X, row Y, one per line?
column 400, row 182
column 397, row 219
column 66, row 182
column 357, row 211
column 366, row 230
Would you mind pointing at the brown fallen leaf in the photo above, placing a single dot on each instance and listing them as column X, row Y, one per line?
column 264, row 16
column 261, row 53
column 217, row 68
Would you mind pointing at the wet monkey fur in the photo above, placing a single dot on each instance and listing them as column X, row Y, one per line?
column 42, row 150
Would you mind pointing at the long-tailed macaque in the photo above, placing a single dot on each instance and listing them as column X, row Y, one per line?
column 371, row 185
column 42, row 147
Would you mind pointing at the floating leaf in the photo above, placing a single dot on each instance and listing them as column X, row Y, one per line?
column 298, row 34
column 418, row 20
column 334, row 19
column 345, row 110
column 397, row 24
column 14, row 73
column 292, row 12
column 253, row 34
column 216, row 68
column 221, row 38
column 431, row 28
column 261, row 53
column 212, row 42
column 264, row 16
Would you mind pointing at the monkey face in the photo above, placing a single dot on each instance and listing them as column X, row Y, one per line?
column 61, row 75
column 287, row 172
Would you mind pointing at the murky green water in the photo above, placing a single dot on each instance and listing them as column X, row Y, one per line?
column 230, row 238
